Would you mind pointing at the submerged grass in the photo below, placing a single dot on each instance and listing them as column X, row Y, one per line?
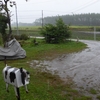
column 43, row 85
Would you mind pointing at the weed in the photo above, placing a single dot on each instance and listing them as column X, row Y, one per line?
column 93, row 91
column 98, row 97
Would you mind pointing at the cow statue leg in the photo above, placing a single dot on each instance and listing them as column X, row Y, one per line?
column 17, row 93
column 7, row 87
column 26, row 88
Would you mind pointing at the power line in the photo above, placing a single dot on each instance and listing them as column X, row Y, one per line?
column 88, row 2
column 39, row 2
column 86, row 6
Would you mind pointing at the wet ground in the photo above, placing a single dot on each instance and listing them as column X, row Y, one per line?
column 83, row 67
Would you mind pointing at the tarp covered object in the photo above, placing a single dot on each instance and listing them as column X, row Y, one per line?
column 13, row 50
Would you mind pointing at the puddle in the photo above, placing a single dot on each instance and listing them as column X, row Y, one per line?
column 83, row 67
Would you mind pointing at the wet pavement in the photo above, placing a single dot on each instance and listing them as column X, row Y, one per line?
column 83, row 67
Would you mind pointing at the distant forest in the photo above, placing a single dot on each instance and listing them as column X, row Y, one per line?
column 90, row 19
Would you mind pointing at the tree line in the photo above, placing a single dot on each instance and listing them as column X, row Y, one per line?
column 90, row 19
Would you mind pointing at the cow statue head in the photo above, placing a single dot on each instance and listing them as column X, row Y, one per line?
column 17, row 77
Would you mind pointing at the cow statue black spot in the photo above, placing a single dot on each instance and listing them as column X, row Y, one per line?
column 17, row 77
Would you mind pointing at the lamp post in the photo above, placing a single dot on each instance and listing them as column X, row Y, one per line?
column 11, row 4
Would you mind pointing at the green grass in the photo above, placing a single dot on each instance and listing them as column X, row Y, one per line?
column 93, row 91
column 43, row 50
column 43, row 86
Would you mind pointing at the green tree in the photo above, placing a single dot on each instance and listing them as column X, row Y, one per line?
column 3, row 26
column 4, row 10
column 56, row 33
column 6, row 20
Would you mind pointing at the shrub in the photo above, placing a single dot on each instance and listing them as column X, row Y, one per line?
column 24, row 37
column 16, row 37
column 56, row 33
column 34, row 41
column 21, row 37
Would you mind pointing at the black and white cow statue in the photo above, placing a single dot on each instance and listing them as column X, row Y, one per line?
column 17, row 77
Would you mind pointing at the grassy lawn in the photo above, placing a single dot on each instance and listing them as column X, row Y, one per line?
column 43, row 86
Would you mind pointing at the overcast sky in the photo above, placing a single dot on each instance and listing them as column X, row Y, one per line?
column 31, row 10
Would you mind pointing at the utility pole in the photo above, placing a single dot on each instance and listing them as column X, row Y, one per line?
column 16, row 20
column 72, row 18
column 14, row 3
column 42, row 18
column 94, row 33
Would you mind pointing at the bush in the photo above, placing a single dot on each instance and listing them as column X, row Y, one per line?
column 24, row 37
column 34, row 41
column 56, row 33
column 17, row 37
column 21, row 37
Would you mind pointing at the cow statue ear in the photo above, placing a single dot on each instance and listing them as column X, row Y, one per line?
column 27, row 72
column 21, row 69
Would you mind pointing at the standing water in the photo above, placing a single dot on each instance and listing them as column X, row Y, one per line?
column 83, row 67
